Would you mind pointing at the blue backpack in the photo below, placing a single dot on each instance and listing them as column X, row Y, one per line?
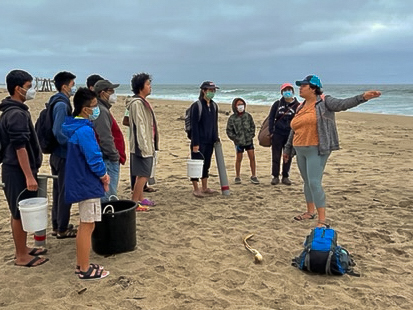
column 322, row 255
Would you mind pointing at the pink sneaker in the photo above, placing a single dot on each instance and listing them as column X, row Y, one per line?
column 147, row 202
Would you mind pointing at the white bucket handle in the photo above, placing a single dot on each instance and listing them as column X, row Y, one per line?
column 17, row 200
column 203, row 157
column 109, row 206
column 110, row 197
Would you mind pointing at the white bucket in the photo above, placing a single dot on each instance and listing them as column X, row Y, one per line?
column 194, row 168
column 33, row 212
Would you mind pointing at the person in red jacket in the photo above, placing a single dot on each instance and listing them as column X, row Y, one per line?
column 109, row 135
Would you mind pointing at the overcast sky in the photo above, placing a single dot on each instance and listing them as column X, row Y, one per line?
column 227, row 41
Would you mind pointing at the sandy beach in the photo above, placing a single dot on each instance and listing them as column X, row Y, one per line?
column 190, row 253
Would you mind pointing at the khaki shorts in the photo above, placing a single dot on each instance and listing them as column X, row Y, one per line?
column 90, row 210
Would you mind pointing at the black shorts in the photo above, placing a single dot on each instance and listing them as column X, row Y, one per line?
column 14, row 185
column 242, row 148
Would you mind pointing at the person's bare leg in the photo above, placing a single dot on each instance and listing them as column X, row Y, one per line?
column 20, row 241
column 311, row 207
column 321, row 217
column 238, row 161
column 251, row 156
column 204, row 182
column 83, row 244
column 138, row 189
column 197, row 191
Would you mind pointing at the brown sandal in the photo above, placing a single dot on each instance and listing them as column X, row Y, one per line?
column 323, row 224
column 305, row 216
column 70, row 233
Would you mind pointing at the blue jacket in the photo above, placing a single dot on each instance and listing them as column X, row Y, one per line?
column 61, row 110
column 84, row 162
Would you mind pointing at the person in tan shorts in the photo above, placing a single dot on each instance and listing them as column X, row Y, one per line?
column 86, row 178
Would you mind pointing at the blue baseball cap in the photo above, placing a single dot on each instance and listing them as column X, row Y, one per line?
column 310, row 79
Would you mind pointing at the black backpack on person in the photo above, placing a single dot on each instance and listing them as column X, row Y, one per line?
column 44, row 128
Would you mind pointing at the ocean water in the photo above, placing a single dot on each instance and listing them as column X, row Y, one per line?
column 395, row 99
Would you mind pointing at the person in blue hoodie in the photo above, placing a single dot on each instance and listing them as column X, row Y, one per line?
column 65, row 84
column 86, row 178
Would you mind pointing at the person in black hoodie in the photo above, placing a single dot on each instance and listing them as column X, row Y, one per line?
column 22, row 159
column 281, row 114
column 204, row 134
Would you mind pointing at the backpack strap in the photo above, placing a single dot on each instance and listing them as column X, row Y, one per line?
column 198, row 102
column 307, row 261
column 328, row 263
column 352, row 273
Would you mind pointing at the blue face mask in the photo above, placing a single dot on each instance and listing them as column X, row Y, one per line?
column 288, row 94
column 73, row 91
column 95, row 113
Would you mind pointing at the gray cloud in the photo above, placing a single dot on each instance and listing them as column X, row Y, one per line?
column 231, row 41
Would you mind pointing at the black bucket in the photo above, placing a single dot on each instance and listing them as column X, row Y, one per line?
column 116, row 233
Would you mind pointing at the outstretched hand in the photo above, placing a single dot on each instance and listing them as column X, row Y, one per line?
column 370, row 94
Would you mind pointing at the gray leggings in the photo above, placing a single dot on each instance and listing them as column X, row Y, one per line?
column 311, row 166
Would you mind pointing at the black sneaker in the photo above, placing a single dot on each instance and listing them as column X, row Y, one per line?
column 254, row 180
column 237, row 180
column 275, row 181
column 286, row 181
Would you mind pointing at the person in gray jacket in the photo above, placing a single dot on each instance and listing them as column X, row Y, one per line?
column 314, row 136
column 241, row 130
column 109, row 135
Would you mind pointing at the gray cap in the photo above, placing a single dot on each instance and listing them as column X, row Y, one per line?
column 103, row 84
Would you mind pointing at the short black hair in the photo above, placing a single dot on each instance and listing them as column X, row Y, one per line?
column 138, row 82
column 92, row 79
column 83, row 98
column 63, row 78
column 17, row 78
column 317, row 89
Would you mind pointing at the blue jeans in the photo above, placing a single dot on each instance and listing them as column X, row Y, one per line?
column 112, row 169
column 311, row 166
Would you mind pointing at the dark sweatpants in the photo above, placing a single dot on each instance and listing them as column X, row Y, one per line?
column 206, row 150
column 278, row 142
column 61, row 209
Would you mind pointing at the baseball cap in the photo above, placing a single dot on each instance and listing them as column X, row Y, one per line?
column 285, row 85
column 208, row 84
column 103, row 84
column 310, row 79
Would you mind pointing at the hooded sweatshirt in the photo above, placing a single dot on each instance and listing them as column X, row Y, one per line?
column 61, row 109
column 281, row 114
column 84, row 162
column 17, row 131
column 144, row 137
column 240, row 126
column 109, row 134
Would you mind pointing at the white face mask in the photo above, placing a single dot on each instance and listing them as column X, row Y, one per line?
column 30, row 94
column 112, row 98
column 73, row 90
column 241, row 108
